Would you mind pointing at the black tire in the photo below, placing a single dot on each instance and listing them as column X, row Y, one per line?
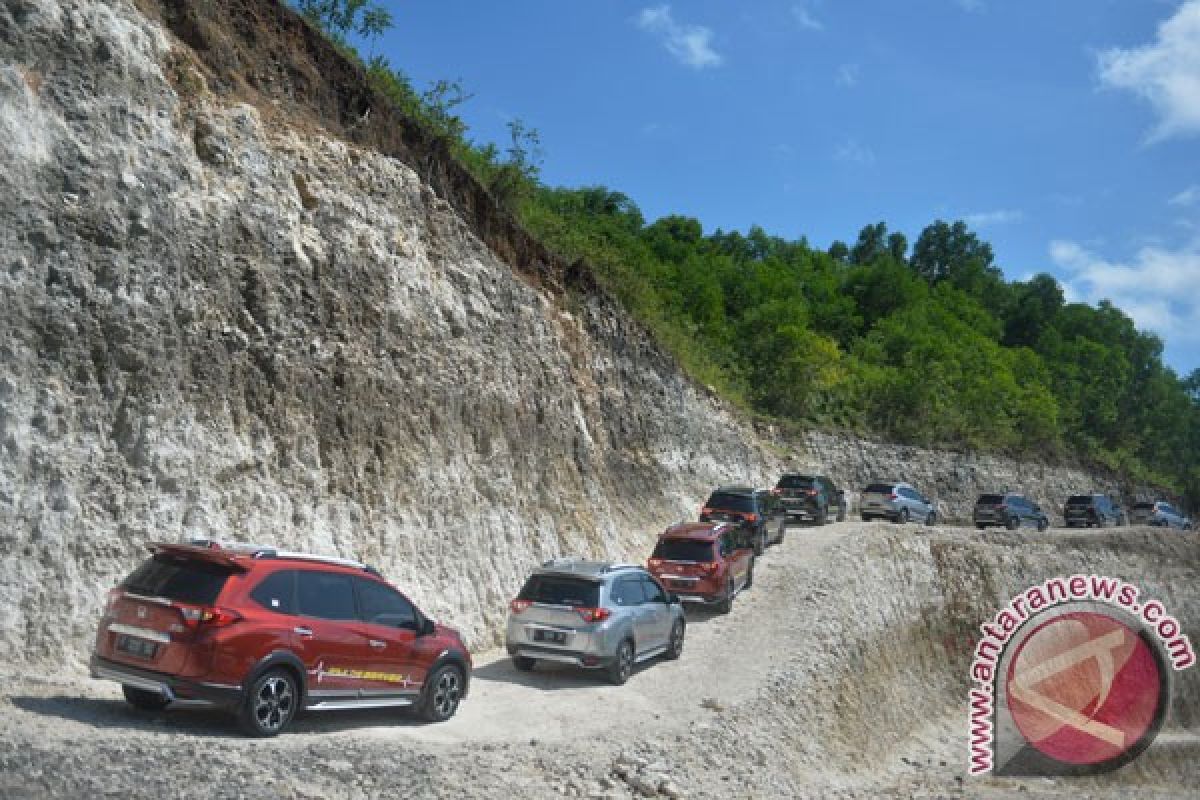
column 622, row 666
column 143, row 699
column 981, row 526
column 903, row 517
column 524, row 663
column 865, row 518
column 726, row 604
column 749, row 575
column 271, row 703
column 675, row 645
column 841, row 515
column 782, row 533
column 443, row 692
column 931, row 519
column 1012, row 523
column 760, row 542
column 822, row 516
column 1043, row 524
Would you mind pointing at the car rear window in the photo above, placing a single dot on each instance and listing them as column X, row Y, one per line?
column 180, row 579
column 1143, row 506
column 683, row 550
column 795, row 482
column 1079, row 500
column 878, row 488
column 731, row 502
column 558, row 591
column 990, row 500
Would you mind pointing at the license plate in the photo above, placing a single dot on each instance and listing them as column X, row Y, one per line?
column 132, row 645
column 553, row 637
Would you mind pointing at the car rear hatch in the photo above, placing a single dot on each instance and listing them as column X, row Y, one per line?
column 1141, row 512
column 990, row 507
column 1078, row 507
column 559, row 610
column 729, row 507
column 796, row 490
column 878, row 496
column 682, row 564
column 154, row 616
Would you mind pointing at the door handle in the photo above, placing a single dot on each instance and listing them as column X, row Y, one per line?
column 378, row 645
column 303, row 631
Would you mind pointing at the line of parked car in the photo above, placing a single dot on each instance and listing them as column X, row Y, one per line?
column 266, row 633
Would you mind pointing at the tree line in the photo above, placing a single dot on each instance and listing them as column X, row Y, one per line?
column 926, row 344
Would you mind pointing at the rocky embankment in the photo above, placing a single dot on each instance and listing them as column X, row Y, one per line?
column 239, row 300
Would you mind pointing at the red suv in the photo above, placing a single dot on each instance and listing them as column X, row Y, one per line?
column 266, row 633
column 707, row 562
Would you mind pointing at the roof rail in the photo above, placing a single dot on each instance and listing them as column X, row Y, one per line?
column 615, row 567
column 268, row 551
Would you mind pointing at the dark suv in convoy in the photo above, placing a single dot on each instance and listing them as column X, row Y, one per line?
column 756, row 510
column 266, row 633
column 705, row 562
column 1091, row 511
column 1009, row 510
column 812, row 498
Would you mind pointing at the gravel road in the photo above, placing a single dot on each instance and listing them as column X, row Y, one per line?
column 766, row 702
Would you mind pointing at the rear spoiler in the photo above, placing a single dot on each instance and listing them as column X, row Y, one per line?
column 211, row 555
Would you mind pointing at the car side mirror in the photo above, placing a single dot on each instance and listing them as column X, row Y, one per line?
column 425, row 627
column 673, row 599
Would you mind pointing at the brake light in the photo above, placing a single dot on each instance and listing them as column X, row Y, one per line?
column 811, row 492
column 113, row 596
column 594, row 614
column 705, row 510
column 517, row 606
column 777, row 491
column 750, row 517
column 654, row 563
column 206, row 616
column 893, row 496
column 710, row 567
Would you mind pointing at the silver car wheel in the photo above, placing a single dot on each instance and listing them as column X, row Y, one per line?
column 446, row 693
column 274, row 703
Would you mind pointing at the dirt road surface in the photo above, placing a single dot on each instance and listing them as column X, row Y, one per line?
column 818, row 684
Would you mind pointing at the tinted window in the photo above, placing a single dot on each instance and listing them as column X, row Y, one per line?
column 878, row 488
column 654, row 592
column 627, row 592
column 731, row 502
column 325, row 595
column 1143, row 506
column 1079, row 500
column 990, row 500
column 683, row 550
column 185, row 580
column 381, row 605
column 561, row 591
column 277, row 592
column 796, row 482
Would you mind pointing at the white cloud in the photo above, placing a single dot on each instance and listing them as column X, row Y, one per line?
column 1166, row 72
column 1003, row 216
column 803, row 14
column 854, row 152
column 1156, row 288
column 847, row 75
column 1188, row 197
column 690, row 44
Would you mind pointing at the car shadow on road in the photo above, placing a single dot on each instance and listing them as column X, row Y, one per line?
column 202, row 720
column 547, row 675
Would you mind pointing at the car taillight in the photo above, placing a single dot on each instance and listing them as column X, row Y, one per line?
column 517, row 606
column 113, row 596
column 811, row 492
column 777, row 492
column 594, row 614
column 710, row 567
column 654, row 563
column 206, row 616
column 705, row 510
column 893, row 496
column 750, row 517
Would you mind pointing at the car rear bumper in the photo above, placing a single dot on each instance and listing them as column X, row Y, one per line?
column 171, row 687
column 578, row 658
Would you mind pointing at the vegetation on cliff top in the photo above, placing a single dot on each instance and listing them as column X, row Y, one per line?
column 927, row 344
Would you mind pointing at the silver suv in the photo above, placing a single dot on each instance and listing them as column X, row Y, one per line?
column 594, row 615
column 899, row 502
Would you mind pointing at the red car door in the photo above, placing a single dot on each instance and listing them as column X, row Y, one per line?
column 328, row 636
column 397, row 663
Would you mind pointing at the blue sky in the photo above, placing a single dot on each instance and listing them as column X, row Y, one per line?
column 1066, row 133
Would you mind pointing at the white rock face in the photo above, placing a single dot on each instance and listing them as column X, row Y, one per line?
column 216, row 324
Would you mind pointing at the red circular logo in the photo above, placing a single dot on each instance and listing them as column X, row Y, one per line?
column 1084, row 688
